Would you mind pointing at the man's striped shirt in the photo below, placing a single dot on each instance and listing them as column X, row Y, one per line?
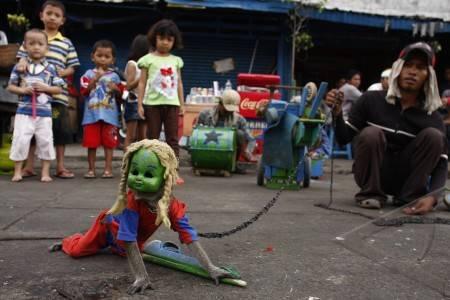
column 61, row 54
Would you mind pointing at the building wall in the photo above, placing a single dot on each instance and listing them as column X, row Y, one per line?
column 208, row 35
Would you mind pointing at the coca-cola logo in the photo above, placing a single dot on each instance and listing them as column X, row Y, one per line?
column 248, row 104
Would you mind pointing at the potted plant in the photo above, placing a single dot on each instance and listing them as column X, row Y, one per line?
column 18, row 24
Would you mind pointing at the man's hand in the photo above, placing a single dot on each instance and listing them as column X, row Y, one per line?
column 181, row 111
column 334, row 99
column 422, row 207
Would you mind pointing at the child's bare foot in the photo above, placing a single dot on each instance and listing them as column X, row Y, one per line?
column 46, row 179
column 16, row 178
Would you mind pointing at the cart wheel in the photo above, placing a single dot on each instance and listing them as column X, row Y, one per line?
column 307, row 172
column 197, row 172
column 260, row 172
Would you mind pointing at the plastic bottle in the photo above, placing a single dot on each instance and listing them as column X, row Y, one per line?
column 228, row 85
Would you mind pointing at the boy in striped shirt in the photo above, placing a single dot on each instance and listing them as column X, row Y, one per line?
column 62, row 55
column 35, row 87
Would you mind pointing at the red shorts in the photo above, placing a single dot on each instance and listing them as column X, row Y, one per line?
column 100, row 134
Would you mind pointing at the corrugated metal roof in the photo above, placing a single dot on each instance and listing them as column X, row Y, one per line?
column 123, row 1
column 424, row 17
column 420, row 9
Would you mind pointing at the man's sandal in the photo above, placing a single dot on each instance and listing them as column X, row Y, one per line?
column 370, row 203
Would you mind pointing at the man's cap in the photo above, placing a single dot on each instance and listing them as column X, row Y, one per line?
column 230, row 99
column 419, row 46
column 386, row 73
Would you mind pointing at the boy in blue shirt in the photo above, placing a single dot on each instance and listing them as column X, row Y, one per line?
column 35, row 87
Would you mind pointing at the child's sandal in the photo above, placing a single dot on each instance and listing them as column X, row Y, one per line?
column 107, row 175
column 90, row 175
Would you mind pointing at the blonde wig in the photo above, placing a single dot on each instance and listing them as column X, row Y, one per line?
column 168, row 160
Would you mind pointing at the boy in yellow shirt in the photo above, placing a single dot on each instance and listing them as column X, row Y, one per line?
column 62, row 55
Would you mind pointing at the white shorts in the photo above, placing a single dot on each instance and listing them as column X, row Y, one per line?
column 25, row 127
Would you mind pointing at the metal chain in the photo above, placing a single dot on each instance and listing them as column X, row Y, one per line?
column 356, row 213
column 263, row 211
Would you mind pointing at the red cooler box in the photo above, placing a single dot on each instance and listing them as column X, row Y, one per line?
column 253, row 92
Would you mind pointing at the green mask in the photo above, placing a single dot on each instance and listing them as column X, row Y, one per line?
column 146, row 173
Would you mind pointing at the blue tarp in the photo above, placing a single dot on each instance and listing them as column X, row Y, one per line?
column 336, row 16
column 275, row 6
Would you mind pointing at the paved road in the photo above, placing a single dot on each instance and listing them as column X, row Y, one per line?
column 290, row 253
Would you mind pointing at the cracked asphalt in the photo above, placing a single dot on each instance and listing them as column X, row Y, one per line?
column 289, row 253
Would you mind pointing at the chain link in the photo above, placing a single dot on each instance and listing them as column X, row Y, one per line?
column 351, row 212
column 263, row 211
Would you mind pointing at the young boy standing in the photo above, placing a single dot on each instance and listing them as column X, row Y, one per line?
column 62, row 55
column 101, row 87
column 35, row 86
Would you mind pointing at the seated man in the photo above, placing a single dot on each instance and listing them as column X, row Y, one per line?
column 226, row 114
column 400, row 145
column 383, row 85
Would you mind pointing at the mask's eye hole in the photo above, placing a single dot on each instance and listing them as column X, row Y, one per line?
column 148, row 174
column 134, row 172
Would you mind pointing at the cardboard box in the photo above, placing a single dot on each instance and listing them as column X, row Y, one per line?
column 191, row 112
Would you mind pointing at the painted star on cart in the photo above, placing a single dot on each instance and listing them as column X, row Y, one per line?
column 212, row 136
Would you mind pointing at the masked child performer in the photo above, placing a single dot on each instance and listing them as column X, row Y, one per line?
column 149, row 170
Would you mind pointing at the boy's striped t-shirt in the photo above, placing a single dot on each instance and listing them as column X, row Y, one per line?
column 37, row 72
column 61, row 54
